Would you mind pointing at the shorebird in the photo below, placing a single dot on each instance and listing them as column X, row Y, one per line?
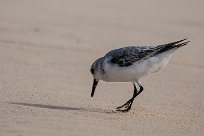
column 130, row 64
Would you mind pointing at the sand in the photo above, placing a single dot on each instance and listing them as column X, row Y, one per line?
column 47, row 48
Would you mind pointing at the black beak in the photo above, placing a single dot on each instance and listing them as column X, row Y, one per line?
column 95, row 82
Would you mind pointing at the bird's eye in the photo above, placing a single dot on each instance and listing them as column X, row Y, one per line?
column 92, row 71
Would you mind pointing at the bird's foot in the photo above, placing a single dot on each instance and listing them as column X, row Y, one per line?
column 125, row 107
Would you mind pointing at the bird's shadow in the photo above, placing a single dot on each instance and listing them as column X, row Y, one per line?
column 54, row 107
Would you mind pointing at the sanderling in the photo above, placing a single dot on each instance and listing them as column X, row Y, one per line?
column 130, row 64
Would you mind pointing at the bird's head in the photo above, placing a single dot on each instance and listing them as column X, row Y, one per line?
column 96, row 71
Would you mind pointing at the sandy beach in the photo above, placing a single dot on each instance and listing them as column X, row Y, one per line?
column 47, row 48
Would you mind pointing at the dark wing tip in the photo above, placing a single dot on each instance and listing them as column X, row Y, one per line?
column 172, row 45
column 183, row 43
column 179, row 41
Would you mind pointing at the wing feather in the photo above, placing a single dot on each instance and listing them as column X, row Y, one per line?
column 128, row 55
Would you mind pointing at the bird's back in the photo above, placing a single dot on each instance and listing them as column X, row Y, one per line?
column 126, row 56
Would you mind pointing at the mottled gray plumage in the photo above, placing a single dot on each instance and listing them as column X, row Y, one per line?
column 126, row 56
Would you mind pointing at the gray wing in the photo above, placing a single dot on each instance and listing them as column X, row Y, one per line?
column 128, row 55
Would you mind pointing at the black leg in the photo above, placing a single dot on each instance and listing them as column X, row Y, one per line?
column 127, row 106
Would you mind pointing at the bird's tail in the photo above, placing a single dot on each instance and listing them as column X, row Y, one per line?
column 173, row 45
